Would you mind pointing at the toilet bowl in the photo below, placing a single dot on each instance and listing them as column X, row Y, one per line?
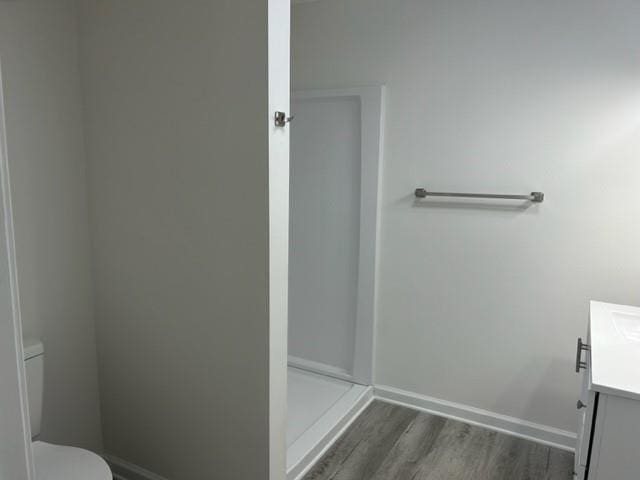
column 55, row 462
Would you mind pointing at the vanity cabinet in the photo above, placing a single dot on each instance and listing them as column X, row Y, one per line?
column 608, row 443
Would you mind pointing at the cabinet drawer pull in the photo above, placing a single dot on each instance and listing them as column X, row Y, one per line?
column 580, row 405
column 579, row 363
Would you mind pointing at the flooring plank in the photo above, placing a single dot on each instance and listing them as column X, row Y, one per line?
column 416, row 442
column 460, row 452
column 560, row 464
column 361, row 450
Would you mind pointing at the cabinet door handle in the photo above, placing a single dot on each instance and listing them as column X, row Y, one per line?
column 579, row 363
column 580, row 405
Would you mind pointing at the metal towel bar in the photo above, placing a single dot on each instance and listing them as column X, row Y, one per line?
column 535, row 197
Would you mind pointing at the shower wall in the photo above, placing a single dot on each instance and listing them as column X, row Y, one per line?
column 324, row 231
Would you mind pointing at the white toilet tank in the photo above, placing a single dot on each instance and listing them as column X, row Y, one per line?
column 34, row 370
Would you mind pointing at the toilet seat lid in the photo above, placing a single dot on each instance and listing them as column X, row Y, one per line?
column 56, row 462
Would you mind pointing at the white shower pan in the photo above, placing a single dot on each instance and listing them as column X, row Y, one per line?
column 319, row 410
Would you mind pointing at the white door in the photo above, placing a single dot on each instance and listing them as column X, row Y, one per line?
column 15, row 442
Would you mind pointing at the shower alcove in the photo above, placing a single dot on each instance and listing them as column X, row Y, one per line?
column 334, row 189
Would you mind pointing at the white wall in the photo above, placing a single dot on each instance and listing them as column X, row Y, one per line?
column 482, row 305
column 38, row 47
column 178, row 142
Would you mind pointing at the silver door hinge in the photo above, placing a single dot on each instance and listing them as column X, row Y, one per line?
column 281, row 119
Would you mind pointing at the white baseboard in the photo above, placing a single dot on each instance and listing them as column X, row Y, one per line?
column 123, row 470
column 544, row 434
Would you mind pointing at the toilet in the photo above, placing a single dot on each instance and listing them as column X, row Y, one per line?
column 55, row 462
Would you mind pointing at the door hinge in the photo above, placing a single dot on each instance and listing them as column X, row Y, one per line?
column 281, row 119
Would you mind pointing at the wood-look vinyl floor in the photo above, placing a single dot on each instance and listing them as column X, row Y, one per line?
column 389, row 442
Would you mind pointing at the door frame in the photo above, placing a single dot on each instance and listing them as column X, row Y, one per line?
column 16, row 458
column 279, row 92
column 371, row 99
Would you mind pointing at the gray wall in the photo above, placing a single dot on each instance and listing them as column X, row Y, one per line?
column 176, row 115
column 14, row 423
column 482, row 305
column 38, row 48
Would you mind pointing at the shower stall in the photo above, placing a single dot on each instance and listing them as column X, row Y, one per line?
column 334, row 187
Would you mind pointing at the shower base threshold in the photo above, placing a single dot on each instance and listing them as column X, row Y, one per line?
column 320, row 409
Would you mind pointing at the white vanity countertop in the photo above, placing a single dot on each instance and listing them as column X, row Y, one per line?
column 615, row 349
